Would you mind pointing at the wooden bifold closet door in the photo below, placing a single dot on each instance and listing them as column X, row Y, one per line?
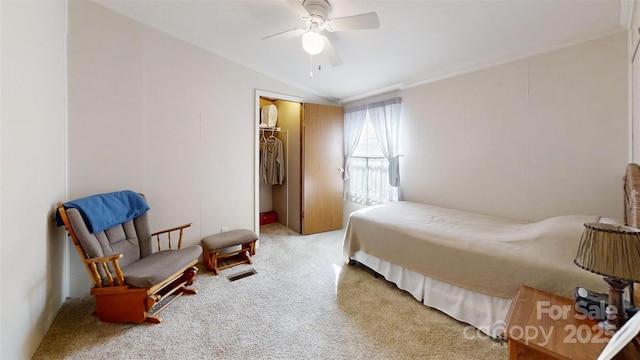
column 322, row 157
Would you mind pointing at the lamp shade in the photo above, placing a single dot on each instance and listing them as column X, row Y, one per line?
column 610, row 250
column 312, row 42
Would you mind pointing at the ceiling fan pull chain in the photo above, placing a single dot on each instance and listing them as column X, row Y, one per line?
column 310, row 66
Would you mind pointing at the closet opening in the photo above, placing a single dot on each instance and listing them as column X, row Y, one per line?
column 278, row 160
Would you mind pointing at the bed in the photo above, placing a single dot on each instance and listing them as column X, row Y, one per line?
column 468, row 265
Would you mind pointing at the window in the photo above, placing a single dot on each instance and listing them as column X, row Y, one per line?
column 369, row 170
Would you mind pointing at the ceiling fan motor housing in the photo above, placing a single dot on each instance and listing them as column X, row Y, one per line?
column 318, row 10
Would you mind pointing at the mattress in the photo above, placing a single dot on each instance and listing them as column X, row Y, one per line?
column 480, row 253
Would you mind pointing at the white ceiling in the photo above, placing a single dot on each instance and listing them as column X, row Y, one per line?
column 418, row 41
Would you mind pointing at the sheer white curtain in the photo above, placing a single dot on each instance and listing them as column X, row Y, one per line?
column 385, row 118
column 371, row 162
column 369, row 183
column 354, row 120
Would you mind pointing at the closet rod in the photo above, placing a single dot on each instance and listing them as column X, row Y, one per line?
column 269, row 129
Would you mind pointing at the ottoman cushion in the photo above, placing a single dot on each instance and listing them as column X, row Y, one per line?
column 229, row 238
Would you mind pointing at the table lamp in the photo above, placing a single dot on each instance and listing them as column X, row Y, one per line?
column 612, row 251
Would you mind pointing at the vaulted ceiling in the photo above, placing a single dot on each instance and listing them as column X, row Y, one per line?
column 417, row 41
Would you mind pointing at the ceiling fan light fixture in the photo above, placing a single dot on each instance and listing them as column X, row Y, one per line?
column 312, row 42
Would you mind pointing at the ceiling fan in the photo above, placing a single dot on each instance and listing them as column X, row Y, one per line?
column 315, row 14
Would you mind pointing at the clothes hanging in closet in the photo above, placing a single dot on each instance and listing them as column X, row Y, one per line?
column 271, row 161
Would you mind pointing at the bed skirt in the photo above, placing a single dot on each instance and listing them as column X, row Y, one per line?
column 485, row 313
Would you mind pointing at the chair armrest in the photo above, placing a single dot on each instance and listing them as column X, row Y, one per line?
column 104, row 258
column 103, row 261
column 168, row 232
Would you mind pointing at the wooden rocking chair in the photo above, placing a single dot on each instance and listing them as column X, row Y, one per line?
column 129, row 278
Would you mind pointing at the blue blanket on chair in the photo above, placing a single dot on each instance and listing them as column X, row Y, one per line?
column 103, row 211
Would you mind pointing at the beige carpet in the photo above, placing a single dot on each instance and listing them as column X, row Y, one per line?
column 303, row 303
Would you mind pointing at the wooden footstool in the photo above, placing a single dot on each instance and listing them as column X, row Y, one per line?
column 212, row 245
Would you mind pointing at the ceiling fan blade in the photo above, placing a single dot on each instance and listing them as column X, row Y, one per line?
column 297, row 7
column 287, row 34
column 355, row 22
column 331, row 53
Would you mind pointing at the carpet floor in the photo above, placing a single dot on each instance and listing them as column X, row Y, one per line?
column 303, row 302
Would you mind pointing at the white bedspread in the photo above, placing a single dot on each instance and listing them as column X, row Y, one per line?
column 481, row 253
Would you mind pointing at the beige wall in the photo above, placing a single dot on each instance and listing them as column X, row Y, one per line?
column 155, row 114
column 634, row 73
column 530, row 139
column 32, row 169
